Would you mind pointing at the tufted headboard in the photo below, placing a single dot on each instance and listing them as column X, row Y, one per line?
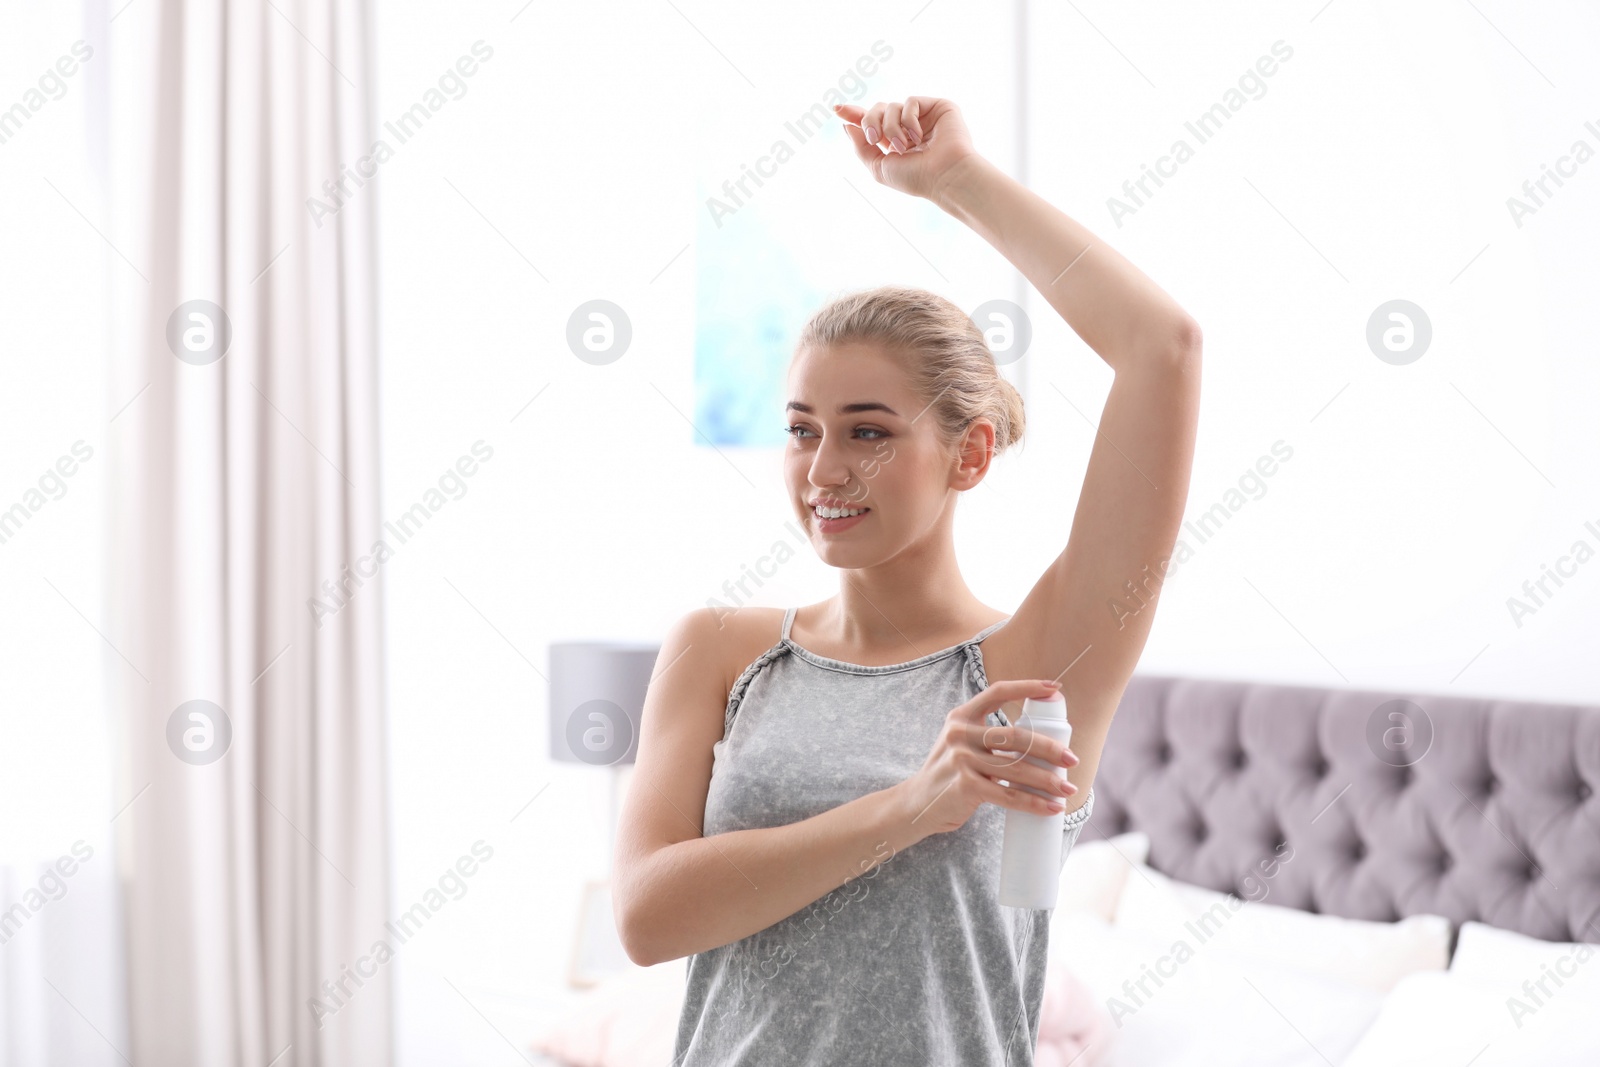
column 1380, row 805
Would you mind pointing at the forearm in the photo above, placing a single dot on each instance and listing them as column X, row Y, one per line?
column 1117, row 310
column 706, row 892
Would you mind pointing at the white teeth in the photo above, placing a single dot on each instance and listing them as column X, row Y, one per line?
column 837, row 513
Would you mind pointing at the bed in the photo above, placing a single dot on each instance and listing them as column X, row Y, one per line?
column 1397, row 804
column 1292, row 875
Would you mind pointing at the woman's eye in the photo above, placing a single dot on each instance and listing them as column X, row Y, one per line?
column 798, row 431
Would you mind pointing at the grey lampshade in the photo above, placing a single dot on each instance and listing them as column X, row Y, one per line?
column 597, row 693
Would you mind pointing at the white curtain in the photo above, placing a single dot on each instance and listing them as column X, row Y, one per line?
column 253, row 848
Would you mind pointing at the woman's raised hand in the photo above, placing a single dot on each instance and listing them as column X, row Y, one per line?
column 910, row 146
column 963, row 770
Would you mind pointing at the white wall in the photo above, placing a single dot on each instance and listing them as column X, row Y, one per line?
column 57, row 789
column 1423, row 497
column 51, row 276
column 1381, row 555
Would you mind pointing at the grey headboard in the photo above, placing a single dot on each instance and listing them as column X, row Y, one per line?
column 1494, row 817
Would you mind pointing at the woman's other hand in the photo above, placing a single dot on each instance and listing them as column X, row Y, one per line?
column 911, row 146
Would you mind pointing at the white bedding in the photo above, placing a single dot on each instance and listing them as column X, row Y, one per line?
column 1448, row 1018
column 1179, row 1004
column 1278, row 990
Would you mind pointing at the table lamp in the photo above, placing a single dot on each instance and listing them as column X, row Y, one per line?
column 597, row 691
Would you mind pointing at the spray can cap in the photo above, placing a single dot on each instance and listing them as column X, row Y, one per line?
column 1050, row 707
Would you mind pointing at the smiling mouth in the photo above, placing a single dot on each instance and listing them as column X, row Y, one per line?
column 838, row 513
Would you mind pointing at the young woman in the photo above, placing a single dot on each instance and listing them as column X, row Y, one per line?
column 817, row 806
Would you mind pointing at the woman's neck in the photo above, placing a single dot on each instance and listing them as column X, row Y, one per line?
column 902, row 606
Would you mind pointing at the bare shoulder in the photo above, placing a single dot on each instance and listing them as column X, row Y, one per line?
column 746, row 633
column 721, row 642
column 702, row 654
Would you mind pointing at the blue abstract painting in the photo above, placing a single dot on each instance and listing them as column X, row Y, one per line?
column 751, row 300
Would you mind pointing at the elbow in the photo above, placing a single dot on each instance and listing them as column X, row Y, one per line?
column 641, row 948
column 634, row 942
column 637, row 951
column 1186, row 341
column 1171, row 349
column 636, row 927
column 1178, row 362
column 631, row 930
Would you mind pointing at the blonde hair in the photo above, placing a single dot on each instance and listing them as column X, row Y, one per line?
column 942, row 349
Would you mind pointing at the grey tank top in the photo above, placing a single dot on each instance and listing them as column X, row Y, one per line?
column 913, row 962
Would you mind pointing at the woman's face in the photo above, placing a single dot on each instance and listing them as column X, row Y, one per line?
column 861, row 439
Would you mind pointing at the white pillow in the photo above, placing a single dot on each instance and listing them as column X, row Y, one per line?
column 1446, row 1018
column 1372, row 954
column 1095, row 872
column 1210, row 1006
column 1525, row 967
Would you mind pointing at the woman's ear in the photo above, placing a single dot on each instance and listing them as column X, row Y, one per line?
column 974, row 453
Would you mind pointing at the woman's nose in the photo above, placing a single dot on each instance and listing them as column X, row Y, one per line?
column 829, row 467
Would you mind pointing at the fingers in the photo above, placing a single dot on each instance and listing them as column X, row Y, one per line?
column 893, row 132
column 898, row 135
column 890, row 126
column 1027, row 758
column 865, row 151
column 1013, row 751
column 910, row 120
column 1015, row 757
column 875, row 119
column 1007, row 797
column 1035, row 779
column 862, row 119
column 854, row 117
column 1020, row 741
column 1000, row 693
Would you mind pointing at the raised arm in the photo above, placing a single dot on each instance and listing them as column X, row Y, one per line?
column 1127, row 319
column 1087, row 618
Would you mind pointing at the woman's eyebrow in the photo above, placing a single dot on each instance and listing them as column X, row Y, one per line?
column 844, row 409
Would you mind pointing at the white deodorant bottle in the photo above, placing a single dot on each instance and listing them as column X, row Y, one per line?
column 1030, row 857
